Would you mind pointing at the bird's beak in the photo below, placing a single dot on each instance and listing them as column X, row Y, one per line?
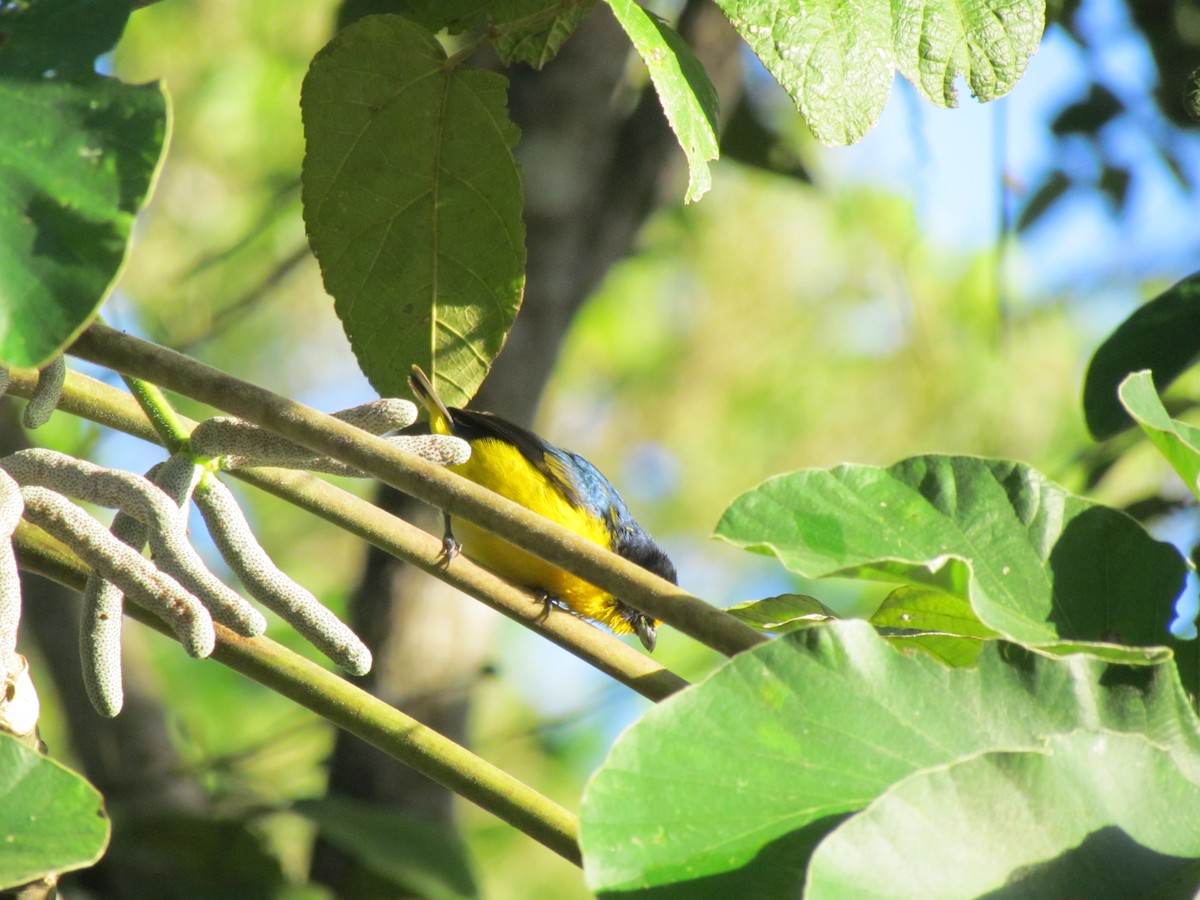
column 646, row 632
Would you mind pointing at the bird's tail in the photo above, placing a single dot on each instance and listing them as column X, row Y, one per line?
column 440, row 420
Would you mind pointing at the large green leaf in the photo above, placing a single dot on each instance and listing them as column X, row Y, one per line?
column 419, row 858
column 1178, row 441
column 1162, row 335
column 78, row 155
column 837, row 58
column 1092, row 814
column 51, row 820
column 764, row 758
column 1037, row 563
column 412, row 200
column 687, row 96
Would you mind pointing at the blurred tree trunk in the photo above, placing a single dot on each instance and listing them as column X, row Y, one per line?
column 596, row 161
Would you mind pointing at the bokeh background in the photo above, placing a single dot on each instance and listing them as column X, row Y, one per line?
column 937, row 288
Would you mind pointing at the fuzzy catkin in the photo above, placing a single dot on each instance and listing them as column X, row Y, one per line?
column 148, row 503
column 271, row 587
column 47, row 394
column 135, row 575
column 11, row 508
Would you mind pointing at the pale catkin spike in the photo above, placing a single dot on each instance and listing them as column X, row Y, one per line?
column 177, row 477
column 123, row 566
column 100, row 627
column 380, row 416
column 241, row 445
column 47, row 393
column 100, row 645
column 11, row 507
column 441, row 449
column 226, row 436
column 271, row 587
column 4, row 380
column 146, row 502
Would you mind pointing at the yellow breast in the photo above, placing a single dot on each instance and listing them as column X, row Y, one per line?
column 502, row 468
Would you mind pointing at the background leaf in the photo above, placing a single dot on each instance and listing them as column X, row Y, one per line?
column 772, row 751
column 1094, row 814
column 78, row 155
column 193, row 856
column 421, row 859
column 51, row 820
column 1175, row 440
column 412, row 202
column 1037, row 563
column 1162, row 335
column 687, row 96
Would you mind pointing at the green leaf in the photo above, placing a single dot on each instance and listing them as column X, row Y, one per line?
column 779, row 615
column 1163, row 335
column 78, row 155
column 1051, row 191
column 945, row 626
column 456, row 16
column 1089, row 115
column 1037, row 563
column 532, row 31
column 421, row 859
column 528, row 31
column 412, row 200
column 833, row 58
column 1092, row 814
column 51, row 819
column 924, row 609
column 837, row 59
column 988, row 42
column 771, row 752
column 949, row 649
column 1175, row 440
column 687, row 96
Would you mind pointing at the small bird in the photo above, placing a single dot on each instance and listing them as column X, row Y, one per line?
column 561, row 486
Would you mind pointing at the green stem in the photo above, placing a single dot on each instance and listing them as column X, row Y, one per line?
column 432, row 484
column 168, row 425
column 350, row 708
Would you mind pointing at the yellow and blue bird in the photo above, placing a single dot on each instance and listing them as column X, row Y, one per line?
column 559, row 485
